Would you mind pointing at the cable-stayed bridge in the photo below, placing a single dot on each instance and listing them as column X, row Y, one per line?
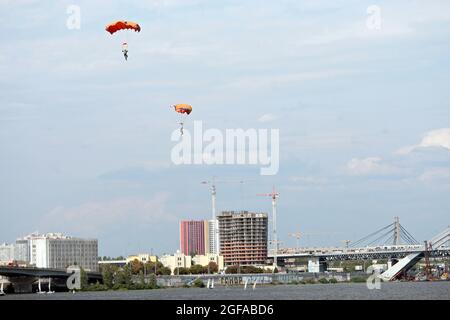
column 392, row 242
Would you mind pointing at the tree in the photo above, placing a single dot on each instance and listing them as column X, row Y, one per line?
column 123, row 278
column 231, row 270
column 152, row 283
column 108, row 276
column 197, row 269
column 83, row 279
column 180, row 271
column 164, row 271
column 141, row 278
column 213, row 267
column 152, row 267
column 136, row 266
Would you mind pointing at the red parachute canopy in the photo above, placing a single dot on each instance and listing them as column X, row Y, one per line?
column 122, row 25
column 183, row 108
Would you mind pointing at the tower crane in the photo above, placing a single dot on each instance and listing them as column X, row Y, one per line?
column 274, row 196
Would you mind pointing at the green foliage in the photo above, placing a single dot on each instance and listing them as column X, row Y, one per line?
column 84, row 279
column 164, row 271
column 152, row 283
column 323, row 281
column 231, row 270
column 108, row 276
column 96, row 287
column 181, row 271
column 333, row 280
column 123, row 277
column 198, row 283
column 197, row 269
column 156, row 267
column 358, row 279
column 141, row 278
column 243, row 269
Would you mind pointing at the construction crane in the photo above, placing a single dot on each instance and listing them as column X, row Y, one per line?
column 212, row 183
column 274, row 196
column 297, row 236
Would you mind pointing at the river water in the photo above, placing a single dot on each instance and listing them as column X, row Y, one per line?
column 340, row 291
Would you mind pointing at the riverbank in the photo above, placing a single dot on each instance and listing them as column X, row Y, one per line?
column 343, row 291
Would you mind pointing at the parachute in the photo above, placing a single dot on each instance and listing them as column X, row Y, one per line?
column 123, row 25
column 184, row 110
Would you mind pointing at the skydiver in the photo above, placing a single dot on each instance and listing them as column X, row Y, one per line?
column 182, row 128
column 125, row 50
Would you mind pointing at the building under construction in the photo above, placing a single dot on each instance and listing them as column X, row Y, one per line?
column 243, row 237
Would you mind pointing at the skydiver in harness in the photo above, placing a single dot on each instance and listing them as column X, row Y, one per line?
column 182, row 128
column 125, row 50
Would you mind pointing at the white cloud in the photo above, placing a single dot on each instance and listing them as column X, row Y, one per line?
column 370, row 166
column 308, row 179
column 439, row 138
column 436, row 174
column 96, row 217
column 268, row 117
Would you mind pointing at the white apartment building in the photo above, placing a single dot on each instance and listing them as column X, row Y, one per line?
column 178, row 260
column 6, row 253
column 213, row 237
column 55, row 250
column 206, row 259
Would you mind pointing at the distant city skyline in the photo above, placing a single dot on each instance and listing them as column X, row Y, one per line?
column 362, row 110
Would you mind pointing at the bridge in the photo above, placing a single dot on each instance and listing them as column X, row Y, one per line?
column 23, row 278
column 394, row 243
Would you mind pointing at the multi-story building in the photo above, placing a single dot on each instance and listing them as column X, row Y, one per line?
column 213, row 237
column 243, row 237
column 204, row 260
column 194, row 237
column 21, row 251
column 178, row 260
column 55, row 250
column 6, row 253
column 142, row 257
column 199, row 237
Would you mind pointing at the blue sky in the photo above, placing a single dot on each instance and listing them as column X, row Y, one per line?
column 85, row 136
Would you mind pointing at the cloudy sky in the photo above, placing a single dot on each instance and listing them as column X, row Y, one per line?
column 363, row 113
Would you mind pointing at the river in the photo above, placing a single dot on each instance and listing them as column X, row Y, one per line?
column 341, row 291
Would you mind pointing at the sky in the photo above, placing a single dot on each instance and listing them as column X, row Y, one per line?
column 363, row 111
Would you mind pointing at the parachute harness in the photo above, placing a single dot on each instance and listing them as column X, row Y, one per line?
column 184, row 110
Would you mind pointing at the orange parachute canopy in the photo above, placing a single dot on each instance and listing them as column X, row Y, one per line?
column 122, row 25
column 183, row 108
